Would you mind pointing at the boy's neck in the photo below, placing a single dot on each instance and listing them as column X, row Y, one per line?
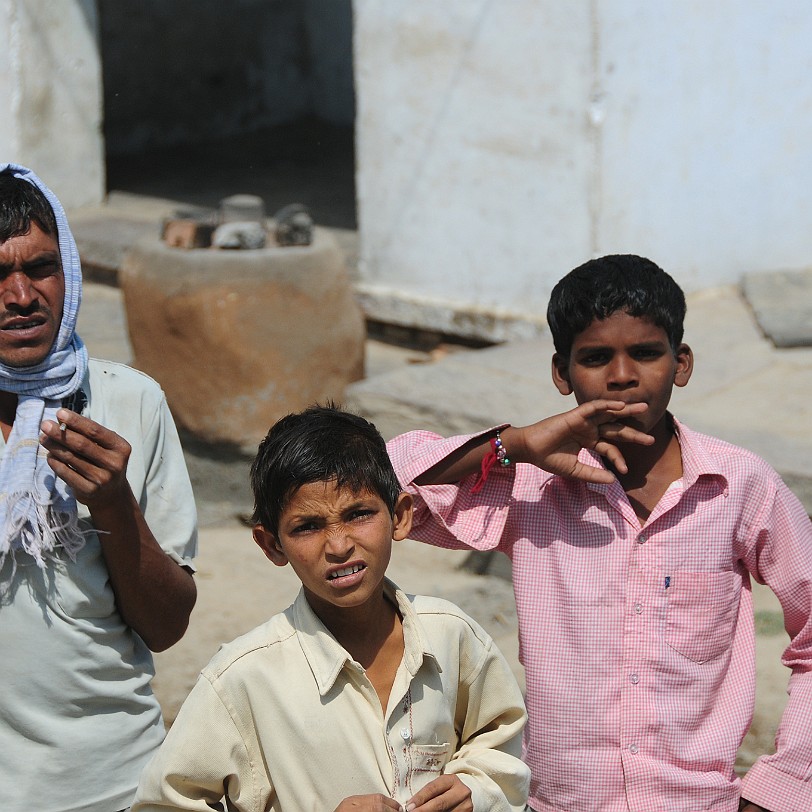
column 372, row 634
column 652, row 468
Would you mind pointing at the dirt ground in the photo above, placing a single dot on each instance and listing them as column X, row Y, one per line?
column 238, row 588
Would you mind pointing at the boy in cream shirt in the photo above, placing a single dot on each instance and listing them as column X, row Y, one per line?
column 357, row 696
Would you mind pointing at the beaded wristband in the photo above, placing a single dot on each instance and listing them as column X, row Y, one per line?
column 500, row 450
column 497, row 454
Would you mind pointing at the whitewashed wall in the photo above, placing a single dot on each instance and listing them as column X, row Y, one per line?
column 502, row 143
column 50, row 95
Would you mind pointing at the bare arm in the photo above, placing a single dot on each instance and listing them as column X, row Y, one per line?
column 553, row 444
column 154, row 594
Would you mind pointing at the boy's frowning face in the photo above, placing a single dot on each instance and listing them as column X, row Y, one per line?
column 626, row 358
column 338, row 543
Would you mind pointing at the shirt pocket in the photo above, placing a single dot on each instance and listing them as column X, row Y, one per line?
column 429, row 758
column 701, row 613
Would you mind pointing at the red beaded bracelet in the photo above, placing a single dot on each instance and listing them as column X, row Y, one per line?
column 498, row 453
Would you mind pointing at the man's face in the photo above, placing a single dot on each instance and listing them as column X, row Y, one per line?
column 32, row 292
column 626, row 358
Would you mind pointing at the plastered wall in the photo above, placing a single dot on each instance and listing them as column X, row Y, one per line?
column 501, row 144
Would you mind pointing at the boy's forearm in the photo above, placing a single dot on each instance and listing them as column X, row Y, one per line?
column 463, row 461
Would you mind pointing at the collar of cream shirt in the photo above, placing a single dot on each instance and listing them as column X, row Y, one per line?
column 326, row 657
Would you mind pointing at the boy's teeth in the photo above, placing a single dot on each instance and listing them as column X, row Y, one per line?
column 346, row 571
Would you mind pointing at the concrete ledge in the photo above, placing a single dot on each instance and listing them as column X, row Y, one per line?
column 450, row 318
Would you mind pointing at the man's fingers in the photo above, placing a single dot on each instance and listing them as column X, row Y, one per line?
column 85, row 427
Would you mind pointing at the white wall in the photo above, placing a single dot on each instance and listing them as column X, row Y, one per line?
column 501, row 144
column 50, row 95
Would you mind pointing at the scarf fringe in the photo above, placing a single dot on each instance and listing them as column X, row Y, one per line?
column 39, row 531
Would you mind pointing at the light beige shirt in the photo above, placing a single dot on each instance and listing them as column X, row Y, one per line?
column 283, row 719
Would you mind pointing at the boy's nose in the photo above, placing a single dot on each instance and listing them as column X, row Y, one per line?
column 622, row 372
column 339, row 542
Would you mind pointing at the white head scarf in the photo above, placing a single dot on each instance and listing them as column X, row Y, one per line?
column 37, row 509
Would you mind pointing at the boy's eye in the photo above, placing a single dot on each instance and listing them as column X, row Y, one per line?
column 648, row 352
column 361, row 513
column 595, row 359
column 304, row 527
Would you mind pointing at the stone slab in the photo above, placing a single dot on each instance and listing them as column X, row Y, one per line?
column 782, row 302
column 237, row 339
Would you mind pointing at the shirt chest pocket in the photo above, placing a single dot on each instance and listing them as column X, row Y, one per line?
column 701, row 613
column 429, row 758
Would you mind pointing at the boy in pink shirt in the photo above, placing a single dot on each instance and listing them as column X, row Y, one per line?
column 633, row 541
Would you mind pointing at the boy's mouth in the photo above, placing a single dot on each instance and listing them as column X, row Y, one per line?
column 351, row 570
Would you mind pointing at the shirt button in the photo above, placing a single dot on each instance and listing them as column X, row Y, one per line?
column 641, row 539
column 405, row 734
column 634, row 679
column 638, row 608
column 634, row 749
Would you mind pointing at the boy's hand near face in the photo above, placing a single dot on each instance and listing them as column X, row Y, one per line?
column 445, row 794
column 554, row 443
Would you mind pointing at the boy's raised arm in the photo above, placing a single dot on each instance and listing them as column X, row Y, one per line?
column 552, row 444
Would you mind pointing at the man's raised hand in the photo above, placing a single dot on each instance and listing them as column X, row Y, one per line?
column 90, row 458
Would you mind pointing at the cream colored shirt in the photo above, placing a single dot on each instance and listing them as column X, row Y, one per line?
column 283, row 719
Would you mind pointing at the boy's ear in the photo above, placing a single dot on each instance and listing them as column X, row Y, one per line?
column 685, row 365
column 402, row 519
column 269, row 544
column 561, row 374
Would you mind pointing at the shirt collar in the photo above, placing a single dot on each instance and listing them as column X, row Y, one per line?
column 696, row 461
column 327, row 657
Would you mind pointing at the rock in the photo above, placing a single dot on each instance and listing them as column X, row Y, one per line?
column 239, row 234
column 238, row 339
column 294, row 225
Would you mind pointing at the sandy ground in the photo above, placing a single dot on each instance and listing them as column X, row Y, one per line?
column 238, row 588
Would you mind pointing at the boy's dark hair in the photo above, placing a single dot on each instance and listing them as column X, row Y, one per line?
column 320, row 444
column 618, row 282
column 22, row 203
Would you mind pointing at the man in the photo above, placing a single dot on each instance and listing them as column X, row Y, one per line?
column 97, row 532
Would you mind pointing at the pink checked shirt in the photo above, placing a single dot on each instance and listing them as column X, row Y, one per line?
column 637, row 641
